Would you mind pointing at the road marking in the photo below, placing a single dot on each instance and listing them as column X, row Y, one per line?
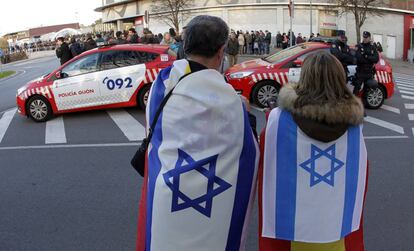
column 55, row 131
column 135, row 144
column 406, row 92
column 131, row 128
column 385, row 124
column 409, row 106
column 412, row 130
column 5, row 122
column 406, row 88
column 386, row 137
column 390, row 108
column 407, row 97
column 403, row 80
column 410, row 116
column 405, row 85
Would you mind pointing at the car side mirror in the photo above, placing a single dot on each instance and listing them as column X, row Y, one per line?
column 298, row 62
column 58, row 74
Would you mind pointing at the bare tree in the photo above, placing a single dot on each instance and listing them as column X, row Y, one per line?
column 361, row 9
column 171, row 11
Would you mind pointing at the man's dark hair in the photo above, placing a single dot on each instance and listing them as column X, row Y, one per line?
column 118, row 34
column 61, row 39
column 132, row 29
column 205, row 35
column 98, row 35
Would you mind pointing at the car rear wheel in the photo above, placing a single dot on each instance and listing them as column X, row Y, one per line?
column 39, row 109
column 264, row 91
column 143, row 95
column 374, row 97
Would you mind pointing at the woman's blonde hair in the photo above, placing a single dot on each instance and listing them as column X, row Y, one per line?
column 322, row 81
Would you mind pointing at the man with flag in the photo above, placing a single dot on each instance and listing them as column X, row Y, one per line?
column 199, row 182
column 313, row 167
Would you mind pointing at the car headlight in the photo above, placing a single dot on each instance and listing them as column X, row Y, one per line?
column 241, row 74
column 21, row 90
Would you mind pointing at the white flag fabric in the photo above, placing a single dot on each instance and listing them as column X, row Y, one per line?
column 312, row 191
column 202, row 164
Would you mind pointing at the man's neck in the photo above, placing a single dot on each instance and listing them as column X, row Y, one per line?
column 207, row 62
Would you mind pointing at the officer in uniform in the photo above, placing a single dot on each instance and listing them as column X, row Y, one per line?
column 367, row 56
column 342, row 52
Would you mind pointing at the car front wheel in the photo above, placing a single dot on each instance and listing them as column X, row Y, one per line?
column 263, row 91
column 39, row 109
column 374, row 97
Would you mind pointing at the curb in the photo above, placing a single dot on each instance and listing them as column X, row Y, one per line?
column 16, row 73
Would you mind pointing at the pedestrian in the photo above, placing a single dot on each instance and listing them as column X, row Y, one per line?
column 379, row 47
column 132, row 36
column 279, row 39
column 299, row 39
column 75, row 47
column 366, row 57
column 261, row 42
column 267, row 41
column 119, row 39
column 63, row 51
column 89, row 43
column 240, row 38
column 253, row 48
column 285, row 41
column 199, row 185
column 341, row 51
column 99, row 40
column 232, row 49
column 313, row 171
column 167, row 40
column 248, row 45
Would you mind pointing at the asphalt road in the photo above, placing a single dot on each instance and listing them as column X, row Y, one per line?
column 80, row 193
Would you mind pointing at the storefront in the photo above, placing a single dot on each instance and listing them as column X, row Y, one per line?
column 408, row 35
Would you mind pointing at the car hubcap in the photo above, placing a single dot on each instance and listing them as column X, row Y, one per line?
column 146, row 95
column 38, row 109
column 265, row 93
column 375, row 97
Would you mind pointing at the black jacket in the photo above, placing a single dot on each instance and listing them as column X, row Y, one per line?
column 75, row 49
column 63, row 53
column 367, row 56
column 268, row 38
column 342, row 52
column 233, row 47
column 89, row 44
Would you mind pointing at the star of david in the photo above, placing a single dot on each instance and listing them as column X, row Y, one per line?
column 310, row 165
column 206, row 167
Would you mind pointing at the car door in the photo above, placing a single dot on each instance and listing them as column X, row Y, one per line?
column 121, row 74
column 78, row 86
column 295, row 65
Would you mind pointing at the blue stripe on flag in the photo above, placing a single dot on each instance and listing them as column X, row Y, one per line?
column 154, row 163
column 286, row 177
column 351, row 178
column 245, row 177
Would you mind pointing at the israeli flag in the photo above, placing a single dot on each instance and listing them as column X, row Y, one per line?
column 202, row 164
column 312, row 191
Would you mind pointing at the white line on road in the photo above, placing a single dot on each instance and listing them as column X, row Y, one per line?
column 404, row 78
column 410, row 116
column 409, row 106
column 407, row 92
column 407, row 97
column 386, row 137
column 68, row 146
column 131, row 128
column 55, row 131
column 412, row 130
column 385, row 124
column 5, row 122
column 401, row 81
column 390, row 108
column 406, row 88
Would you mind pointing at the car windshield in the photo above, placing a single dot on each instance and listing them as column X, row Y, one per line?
column 285, row 54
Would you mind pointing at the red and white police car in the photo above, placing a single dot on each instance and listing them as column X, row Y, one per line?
column 261, row 79
column 106, row 77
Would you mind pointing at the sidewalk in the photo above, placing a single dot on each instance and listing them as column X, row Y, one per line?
column 400, row 66
column 41, row 54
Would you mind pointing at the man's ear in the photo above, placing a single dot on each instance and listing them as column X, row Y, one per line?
column 221, row 52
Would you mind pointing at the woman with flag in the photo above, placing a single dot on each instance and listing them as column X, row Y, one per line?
column 313, row 168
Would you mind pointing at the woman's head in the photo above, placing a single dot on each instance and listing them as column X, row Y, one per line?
column 322, row 81
column 167, row 36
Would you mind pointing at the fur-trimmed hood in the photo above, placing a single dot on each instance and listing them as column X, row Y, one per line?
column 350, row 112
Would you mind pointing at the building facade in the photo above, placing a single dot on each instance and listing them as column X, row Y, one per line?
column 394, row 29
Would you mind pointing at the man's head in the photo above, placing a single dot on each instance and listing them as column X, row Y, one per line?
column 60, row 40
column 205, row 39
column 131, row 31
column 98, row 36
column 366, row 37
column 118, row 34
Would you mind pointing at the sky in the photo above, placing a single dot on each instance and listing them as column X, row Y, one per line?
column 20, row 15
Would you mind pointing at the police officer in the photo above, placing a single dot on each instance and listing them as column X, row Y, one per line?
column 367, row 56
column 342, row 52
